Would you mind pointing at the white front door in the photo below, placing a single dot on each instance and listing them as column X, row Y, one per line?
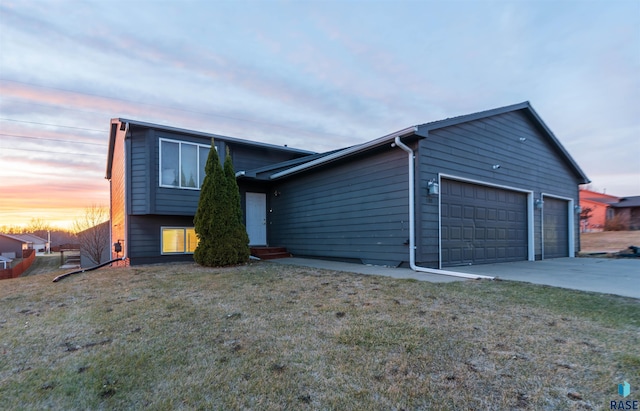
column 257, row 218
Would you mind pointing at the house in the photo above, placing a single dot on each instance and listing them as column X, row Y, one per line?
column 95, row 245
column 596, row 206
column 155, row 174
column 12, row 245
column 6, row 262
column 627, row 210
column 604, row 209
column 493, row 186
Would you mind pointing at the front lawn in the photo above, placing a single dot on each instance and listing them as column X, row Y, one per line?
column 272, row 337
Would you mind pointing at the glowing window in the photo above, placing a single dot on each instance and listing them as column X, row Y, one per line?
column 179, row 240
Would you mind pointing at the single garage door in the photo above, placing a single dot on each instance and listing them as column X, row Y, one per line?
column 482, row 224
column 555, row 223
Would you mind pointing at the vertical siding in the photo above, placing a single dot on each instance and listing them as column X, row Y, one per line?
column 355, row 210
column 469, row 150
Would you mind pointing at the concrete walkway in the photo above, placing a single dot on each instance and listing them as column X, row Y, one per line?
column 603, row 275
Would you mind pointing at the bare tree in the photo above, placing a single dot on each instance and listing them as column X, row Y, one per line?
column 39, row 227
column 92, row 229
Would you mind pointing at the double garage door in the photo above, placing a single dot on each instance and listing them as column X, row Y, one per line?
column 483, row 225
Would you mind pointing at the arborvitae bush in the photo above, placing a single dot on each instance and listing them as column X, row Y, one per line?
column 239, row 236
column 222, row 238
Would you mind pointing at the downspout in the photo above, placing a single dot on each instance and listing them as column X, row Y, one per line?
column 412, row 223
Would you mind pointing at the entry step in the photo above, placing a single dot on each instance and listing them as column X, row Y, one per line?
column 269, row 253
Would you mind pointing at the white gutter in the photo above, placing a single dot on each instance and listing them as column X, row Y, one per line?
column 412, row 223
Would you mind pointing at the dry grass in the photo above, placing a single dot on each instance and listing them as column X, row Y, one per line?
column 609, row 241
column 273, row 337
column 45, row 264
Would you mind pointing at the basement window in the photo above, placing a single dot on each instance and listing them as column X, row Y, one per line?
column 182, row 164
column 179, row 240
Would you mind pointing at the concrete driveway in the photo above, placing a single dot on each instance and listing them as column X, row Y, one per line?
column 602, row 275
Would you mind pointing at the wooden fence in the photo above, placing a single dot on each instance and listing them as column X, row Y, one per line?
column 28, row 256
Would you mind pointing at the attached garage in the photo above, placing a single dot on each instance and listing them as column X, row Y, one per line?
column 482, row 224
column 555, row 227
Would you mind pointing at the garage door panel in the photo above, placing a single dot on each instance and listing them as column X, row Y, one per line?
column 469, row 212
column 555, row 228
column 455, row 211
column 492, row 222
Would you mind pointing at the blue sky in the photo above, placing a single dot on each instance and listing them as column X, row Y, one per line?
column 315, row 75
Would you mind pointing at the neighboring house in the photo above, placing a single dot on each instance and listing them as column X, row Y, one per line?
column 598, row 207
column 492, row 186
column 628, row 211
column 37, row 243
column 95, row 245
column 12, row 245
column 603, row 208
column 6, row 262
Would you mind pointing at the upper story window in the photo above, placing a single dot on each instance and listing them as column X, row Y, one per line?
column 182, row 164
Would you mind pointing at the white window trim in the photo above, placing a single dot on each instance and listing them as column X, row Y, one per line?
column 180, row 143
column 184, row 228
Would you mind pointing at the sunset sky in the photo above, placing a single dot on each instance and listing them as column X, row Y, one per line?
column 315, row 75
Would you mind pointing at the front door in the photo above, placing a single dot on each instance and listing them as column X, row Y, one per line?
column 257, row 218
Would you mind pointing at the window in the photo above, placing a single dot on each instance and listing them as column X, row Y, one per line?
column 179, row 240
column 182, row 164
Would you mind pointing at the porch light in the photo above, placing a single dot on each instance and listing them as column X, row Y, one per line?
column 577, row 209
column 539, row 203
column 433, row 188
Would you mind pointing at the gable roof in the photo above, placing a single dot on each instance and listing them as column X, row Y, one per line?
column 124, row 124
column 528, row 110
column 633, row 201
column 422, row 131
column 346, row 152
column 25, row 238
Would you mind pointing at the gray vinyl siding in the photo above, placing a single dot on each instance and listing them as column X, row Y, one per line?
column 145, row 238
column 469, row 150
column 356, row 210
column 140, row 177
column 146, row 195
